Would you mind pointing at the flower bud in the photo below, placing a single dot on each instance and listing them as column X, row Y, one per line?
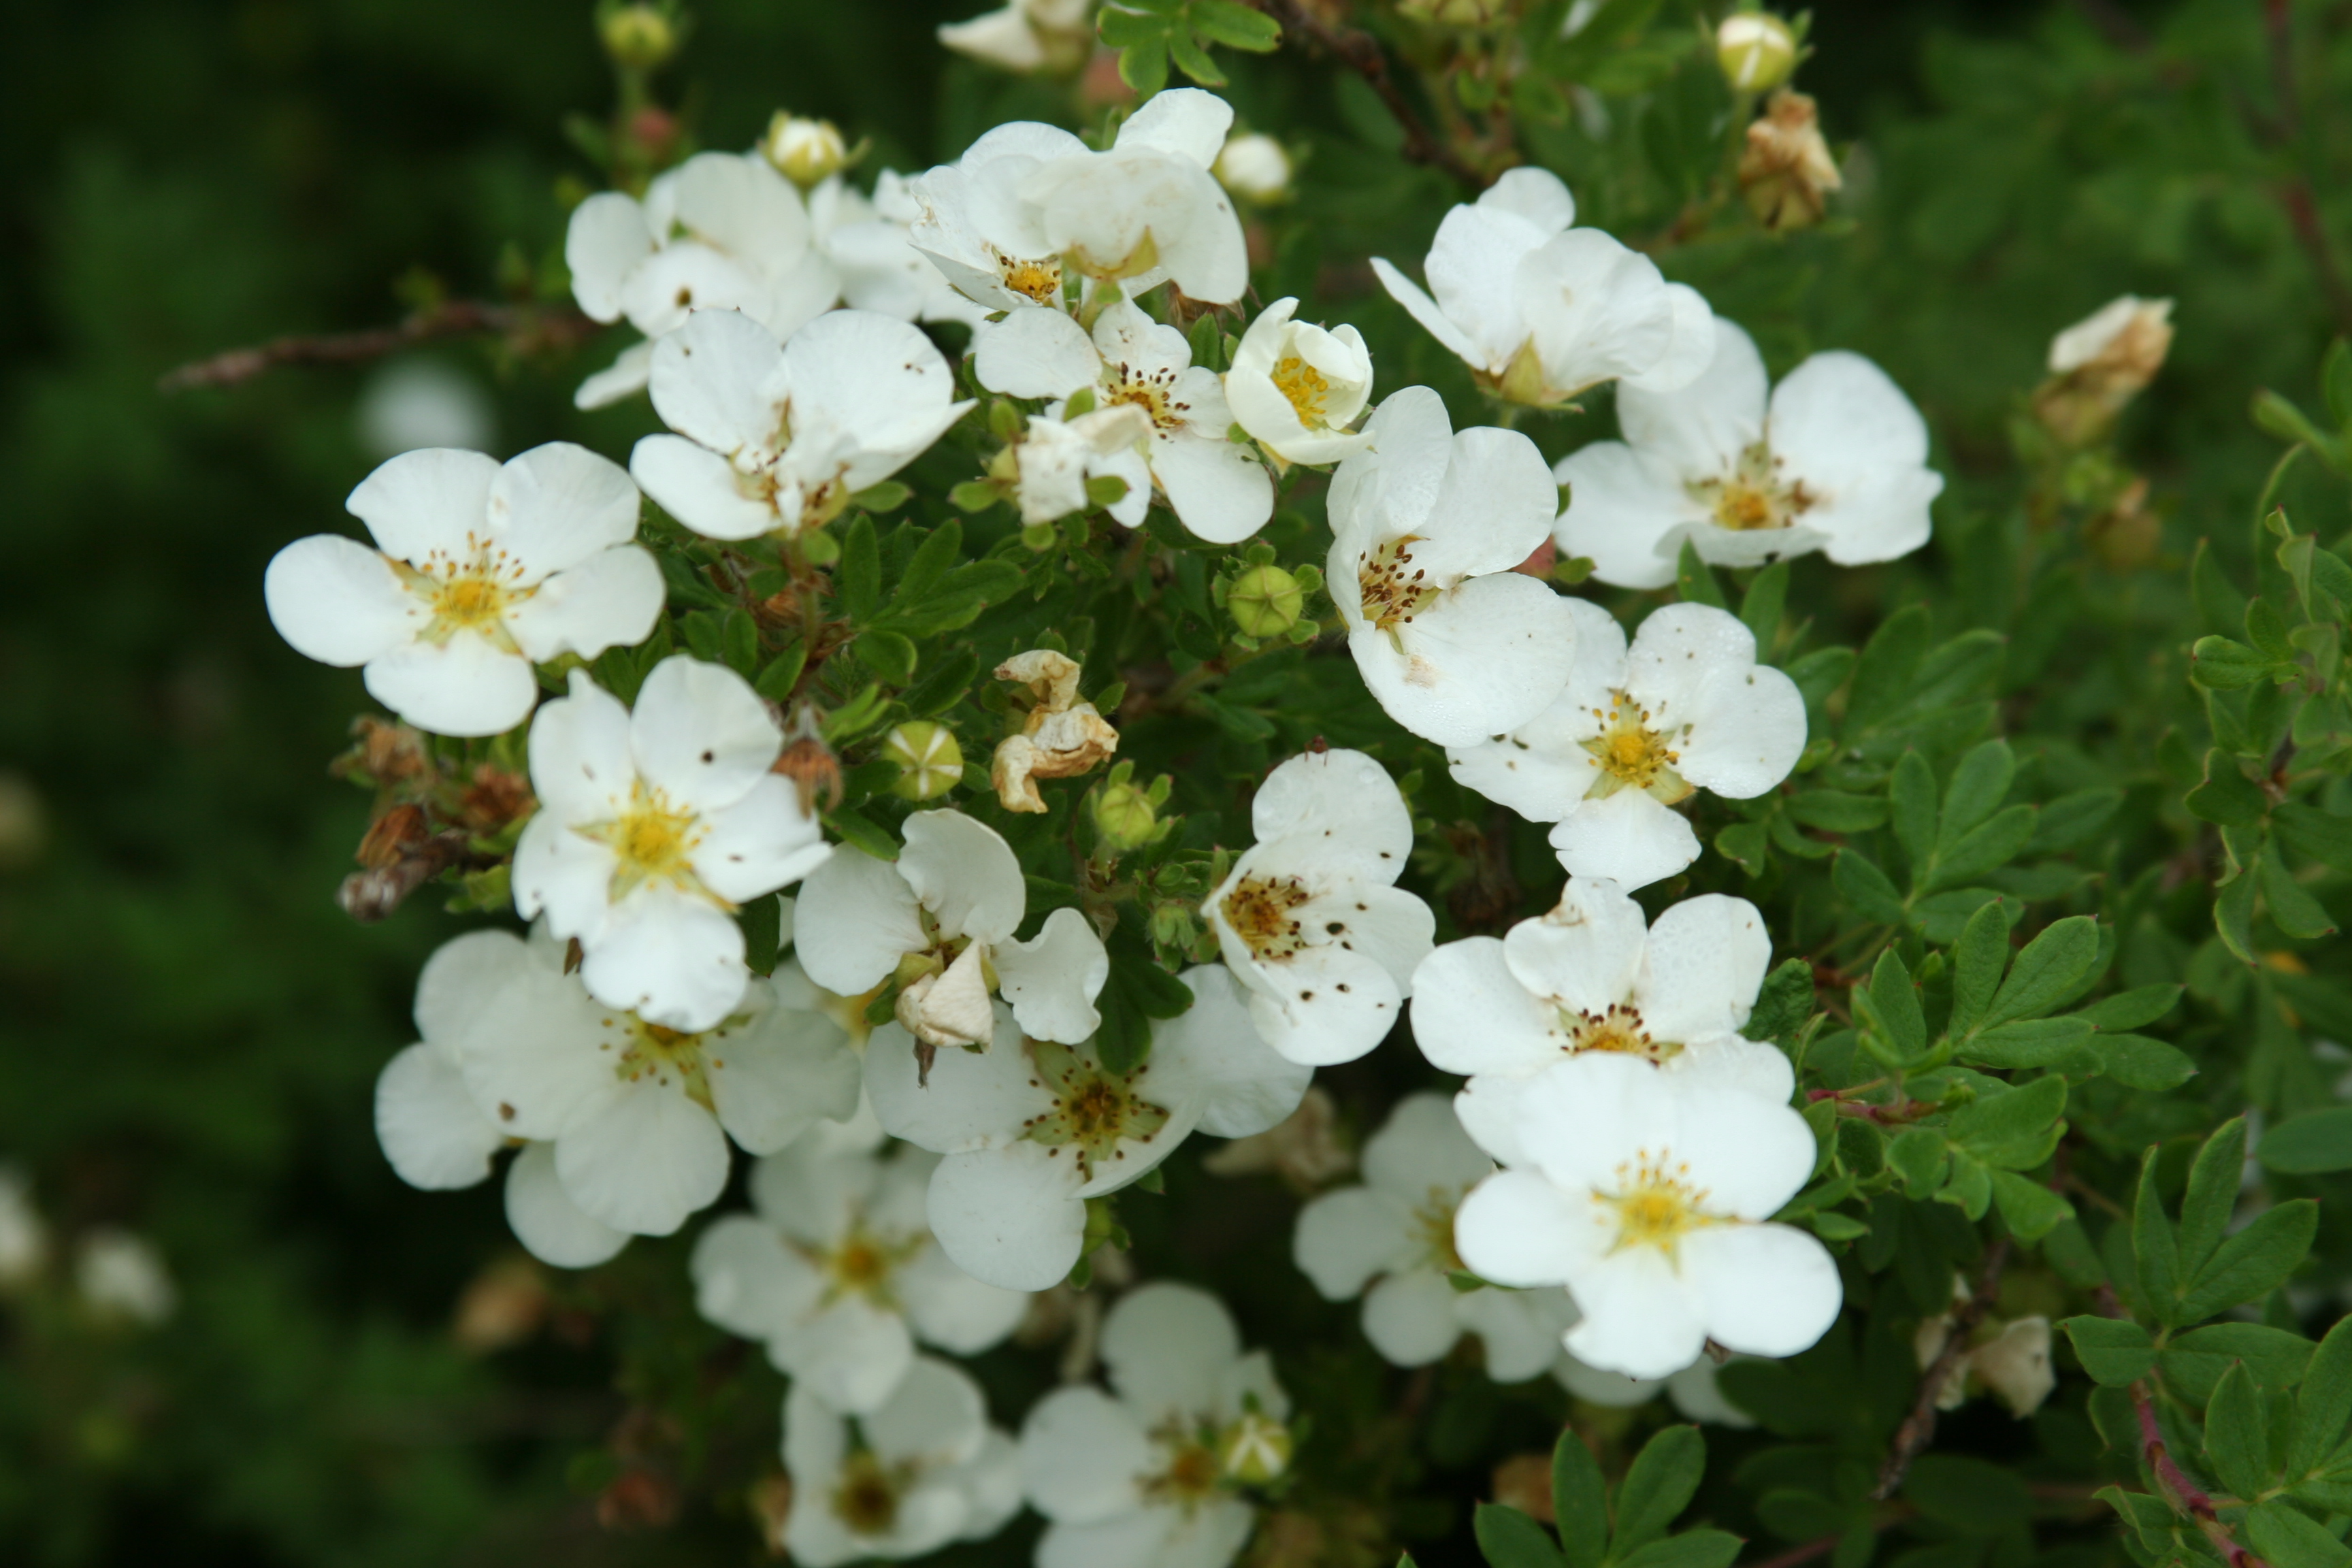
column 1787, row 172
column 930, row 762
column 1254, row 1449
column 2015, row 1365
column 1172, row 925
column 1124, row 815
column 637, row 38
column 1265, row 601
column 1756, row 49
column 2099, row 365
column 1255, row 168
column 805, row 152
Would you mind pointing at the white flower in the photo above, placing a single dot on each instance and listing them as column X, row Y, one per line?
column 775, row 438
column 1255, row 167
column 721, row 231
column 1296, row 387
column 123, row 1276
column 941, row 919
column 1310, row 917
column 24, row 1235
column 411, row 404
column 480, row 570
column 1002, row 219
column 866, row 241
column 1647, row 1194
column 1835, row 462
column 1032, row 1128
column 921, row 1470
column 1540, row 311
column 1058, row 456
column 837, row 1272
column 1026, row 36
column 1219, row 489
column 1587, row 977
column 1136, row 1477
column 1426, row 528
column 1687, row 708
column 1694, row 1389
column 652, row 826
column 1399, row 1226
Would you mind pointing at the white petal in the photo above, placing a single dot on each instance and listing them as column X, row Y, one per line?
column 1422, row 1150
column 739, row 202
column 1700, row 431
column 1639, row 1318
column 644, row 1159
column 952, row 1310
column 669, row 957
column 1745, row 733
column 1472, row 1015
column 965, row 873
column 431, row 1130
column 1612, row 1390
column 1767, row 1290
column 1211, row 1056
column 1473, row 267
column 1494, row 508
column 991, row 1483
column 701, row 734
column 1598, row 309
column 1587, row 954
column 1629, row 838
column 719, row 380
column 1036, row 353
column 629, row 373
column 1165, row 1346
column 1490, row 655
column 557, row 505
column 1346, row 1238
column 1541, row 770
column 547, row 1222
column 467, row 976
column 1326, row 1004
column 760, row 842
column 1579, row 1119
column 852, row 1353
column 1520, row 1329
column 564, row 877
column 1750, row 1154
column 1488, row 1109
column 1516, row 1228
column 339, row 602
column 1425, row 310
column 746, row 1280
column 1691, row 350
column 1409, row 1318
column 1622, row 507
column 605, row 239
column 1082, row 1456
column 425, row 500
column 1248, row 1379
column 465, row 687
column 1535, row 194
column 1705, row 961
column 1211, row 1536
column 1341, row 798
column 580, row 764
column 1052, row 980
column 1747, row 1068
column 876, row 376
column 976, row 1100
column 855, row 918
column 1218, row 488
column 1838, row 414
column 775, row 1076
column 698, row 488
column 1142, row 1537
column 612, row 599
column 815, row 1190
column 937, row 1416
column 1699, row 1397
column 1389, row 491
column 1184, row 121
column 533, row 1053
column 1010, row 1217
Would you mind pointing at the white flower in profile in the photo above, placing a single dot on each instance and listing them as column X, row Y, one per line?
column 1398, row 1230
column 1835, row 460
column 1218, row 488
column 652, row 826
column 1587, row 977
column 1637, row 730
column 722, row 231
column 1141, row 1476
column 1296, row 387
column 1026, row 36
column 1032, row 1128
column 774, row 437
column 1648, row 1196
column 1309, row 918
column 939, row 920
column 1426, row 528
column 123, row 1276
column 1540, row 311
column 837, row 1272
column 1055, row 459
column 24, row 1235
column 920, row 1470
column 1001, row 221
column 480, row 570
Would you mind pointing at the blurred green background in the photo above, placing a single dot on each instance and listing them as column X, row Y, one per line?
column 190, row 1030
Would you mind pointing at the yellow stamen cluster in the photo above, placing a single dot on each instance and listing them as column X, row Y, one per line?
column 1306, row 387
column 1258, row 909
column 1093, row 1111
column 1656, row 1204
column 1153, row 391
column 1039, row 279
column 651, row 841
column 1752, row 496
column 1618, row 1029
column 1432, row 1225
column 1629, row 754
column 470, row 591
column 1393, row 589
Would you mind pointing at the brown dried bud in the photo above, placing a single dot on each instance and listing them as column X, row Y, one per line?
column 1304, row 1149
column 809, row 762
column 637, row 1499
column 502, row 1306
column 496, row 799
column 1523, row 1481
column 1062, row 737
column 1787, row 172
column 771, row 1502
column 391, row 836
column 369, row 896
column 387, row 752
column 2127, row 535
column 2099, row 365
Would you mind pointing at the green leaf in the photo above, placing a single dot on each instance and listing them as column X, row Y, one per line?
column 1509, row 1539
column 859, row 575
column 1138, row 991
column 1783, row 1005
column 1911, row 794
column 2325, row 1404
column 2233, row 914
column 1978, row 962
column 1970, row 1495
column 1143, row 67
column 1985, row 848
column 860, row 832
column 2047, row 971
column 2194, row 1362
column 887, row 655
column 1658, row 1486
column 2218, row 663
column 1896, row 1002
column 2062, row 1043
column 1979, row 785
column 2211, row 1194
column 2314, row 835
column 1694, row 581
column 2014, row 1130
column 928, row 567
column 1236, row 27
column 1691, row 1549
column 1190, row 58
column 2310, row 1145
column 761, row 921
column 1579, row 1502
column 2227, row 794
column 2237, row 1446
column 2073, row 819
column 1744, row 843
column 2291, row 907
column 1921, row 1156
column 1760, row 606
column 2135, row 1061
column 2155, row 1254
column 2030, row 1210
column 2285, row 1537
column 1121, row 28
column 1837, row 811
column 2252, row 1263
column 2219, row 606
column 2114, row 1351
column 784, row 673
column 1865, row 888
column 2130, row 1010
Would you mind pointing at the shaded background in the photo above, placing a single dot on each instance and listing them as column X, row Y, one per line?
column 189, row 1030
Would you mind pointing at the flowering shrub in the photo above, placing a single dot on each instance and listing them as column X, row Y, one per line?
column 1663, row 890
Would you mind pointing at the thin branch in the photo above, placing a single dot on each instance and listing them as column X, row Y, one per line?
column 1919, row 1428
column 2185, row 1495
column 1361, row 53
column 528, row 326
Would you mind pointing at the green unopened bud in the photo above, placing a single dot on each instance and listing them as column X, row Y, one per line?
column 1124, row 815
column 805, row 152
column 1756, row 49
column 1254, row 1449
column 1266, row 601
column 1172, row 925
column 930, row 762
column 638, row 38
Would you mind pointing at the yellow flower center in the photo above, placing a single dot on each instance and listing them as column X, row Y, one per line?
column 1258, row 909
column 1153, row 391
column 1656, row 1205
column 471, row 591
column 1039, row 279
column 651, row 841
column 1629, row 754
column 1393, row 590
column 1308, row 391
column 1618, row 1029
column 1191, row 1472
column 1751, row 496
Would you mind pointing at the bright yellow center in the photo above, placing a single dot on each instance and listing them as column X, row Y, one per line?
column 1628, row 753
column 470, row 591
column 651, row 841
column 1258, row 909
column 1153, row 391
column 1305, row 387
column 1393, row 588
column 1619, row 1028
column 469, row 601
column 1040, row 280
column 1752, row 495
column 1656, row 1204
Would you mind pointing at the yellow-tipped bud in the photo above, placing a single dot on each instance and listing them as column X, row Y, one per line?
column 805, row 152
column 638, row 38
column 1757, row 51
column 930, row 762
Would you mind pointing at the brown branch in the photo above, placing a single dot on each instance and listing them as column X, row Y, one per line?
column 1361, row 53
column 527, row 327
column 1919, row 1428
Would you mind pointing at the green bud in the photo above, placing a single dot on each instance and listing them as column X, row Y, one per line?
column 1254, row 1449
column 804, row 151
column 1172, row 925
column 1039, row 536
column 637, row 38
column 1266, row 601
column 1756, row 50
column 930, row 762
column 1124, row 815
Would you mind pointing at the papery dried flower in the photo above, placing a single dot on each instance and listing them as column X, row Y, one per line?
column 1062, row 737
column 808, row 761
column 1787, row 172
column 2099, row 365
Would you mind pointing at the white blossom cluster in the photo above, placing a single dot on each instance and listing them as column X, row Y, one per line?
column 1595, row 1200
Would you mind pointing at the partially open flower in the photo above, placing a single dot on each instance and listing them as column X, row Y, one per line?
column 1787, row 173
column 1296, row 387
column 1062, row 738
